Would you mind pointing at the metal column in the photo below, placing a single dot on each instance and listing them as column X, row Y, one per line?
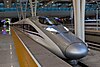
column 25, row 9
column 18, row 11
column 35, row 7
column 71, row 17
column 21, row 6
column 79, row 12
column 97, row 16
column 31, row 6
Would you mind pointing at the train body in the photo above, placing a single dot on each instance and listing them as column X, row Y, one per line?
column 53, row 36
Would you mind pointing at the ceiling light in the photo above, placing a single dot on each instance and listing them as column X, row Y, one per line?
column 93, row 1
column 45, row 5
column 52, row 1
column 7, row 6
column 7, row 1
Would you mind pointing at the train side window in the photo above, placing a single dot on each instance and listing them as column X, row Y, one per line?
column 31, row 28
column 26, row 26
column 19, row 26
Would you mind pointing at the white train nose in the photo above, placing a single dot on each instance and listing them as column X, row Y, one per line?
column 76, row 51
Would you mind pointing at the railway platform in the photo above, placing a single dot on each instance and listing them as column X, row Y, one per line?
column 8, row 57
column 18, row 50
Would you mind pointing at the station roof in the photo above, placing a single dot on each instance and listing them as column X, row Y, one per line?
column 8, row 4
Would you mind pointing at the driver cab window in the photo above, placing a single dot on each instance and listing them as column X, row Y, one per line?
column 43, row 21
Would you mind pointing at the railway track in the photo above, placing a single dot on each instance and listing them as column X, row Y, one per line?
column 93, row 40
column 93, row 37
column 75, row 63
column 94, row 46
column 80, row 64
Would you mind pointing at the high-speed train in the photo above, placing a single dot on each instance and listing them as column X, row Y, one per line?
column 53, row 36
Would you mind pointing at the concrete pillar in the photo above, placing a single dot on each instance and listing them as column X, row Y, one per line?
column 76, row 4
column 82, row 13
column 79, row 14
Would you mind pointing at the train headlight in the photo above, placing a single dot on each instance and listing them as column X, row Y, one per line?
column 51, row 29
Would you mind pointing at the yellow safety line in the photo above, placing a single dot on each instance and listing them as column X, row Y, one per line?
column 25, row 60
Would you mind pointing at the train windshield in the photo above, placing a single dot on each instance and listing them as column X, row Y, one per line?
column 48, row 21
column 53, row 21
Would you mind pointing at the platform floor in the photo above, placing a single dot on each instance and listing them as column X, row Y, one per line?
column 8, row 56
